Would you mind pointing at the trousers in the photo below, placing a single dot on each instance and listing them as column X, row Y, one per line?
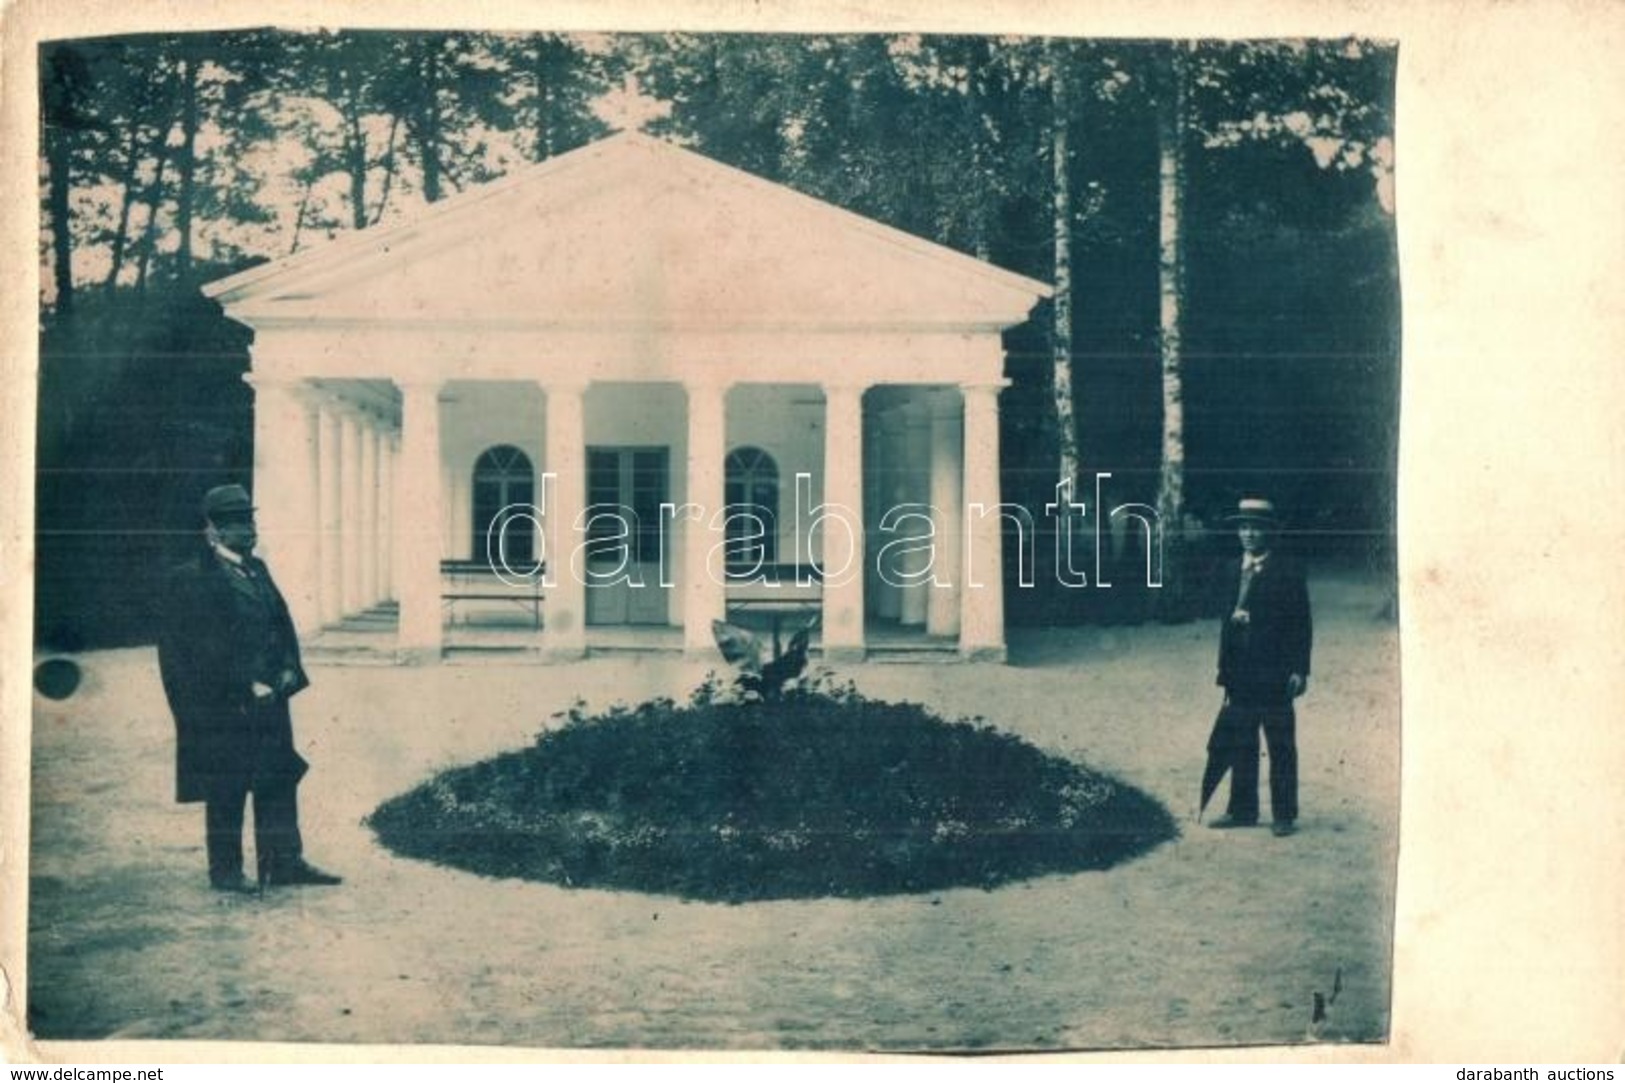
column 1236, row 740
column 277, row 842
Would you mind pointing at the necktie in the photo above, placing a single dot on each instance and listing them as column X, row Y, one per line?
column 1249, row 570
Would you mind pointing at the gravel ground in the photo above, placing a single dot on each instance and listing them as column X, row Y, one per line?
column 1219, row 938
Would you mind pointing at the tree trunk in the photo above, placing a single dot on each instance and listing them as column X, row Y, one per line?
column 59, row 92
column 299, row 216
column 355, row 146
column 188, row 160
column 1066, row 425
column 389, row 170
column 544, row 100
column 429, row 124
column 132, row 162
column 155, row 197
column 59, row 153
column 982, row 191
column 1171, row 599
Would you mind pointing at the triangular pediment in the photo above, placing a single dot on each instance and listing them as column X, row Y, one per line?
column 633, row 231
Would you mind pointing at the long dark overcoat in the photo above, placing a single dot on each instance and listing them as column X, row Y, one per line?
column 1256, row 658
column 215, row 640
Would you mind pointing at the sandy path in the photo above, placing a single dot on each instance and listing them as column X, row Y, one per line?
column 1218, row 938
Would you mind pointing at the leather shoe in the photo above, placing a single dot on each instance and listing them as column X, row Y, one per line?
column 1282, row 828
column 1227, row 821
column 301, row 874
column 234, row 885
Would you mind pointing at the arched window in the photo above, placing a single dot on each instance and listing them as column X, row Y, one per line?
column 752, row 493
column 504, row 485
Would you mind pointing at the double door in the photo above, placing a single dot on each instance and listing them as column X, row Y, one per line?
column 625, row 543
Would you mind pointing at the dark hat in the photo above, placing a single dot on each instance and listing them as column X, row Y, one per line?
column 1253, row 509
column 227, row 500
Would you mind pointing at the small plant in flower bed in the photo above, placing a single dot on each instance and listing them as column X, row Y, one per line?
column 819, row 793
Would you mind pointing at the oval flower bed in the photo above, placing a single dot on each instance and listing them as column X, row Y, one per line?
column 820, row 793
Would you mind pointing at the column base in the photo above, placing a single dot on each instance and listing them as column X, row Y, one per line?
column 555, row 654
column 711, row 654
column 703, row 650
column 418, row 656
column 994, row 654
column 844, row 654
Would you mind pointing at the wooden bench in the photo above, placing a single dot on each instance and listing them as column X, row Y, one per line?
column 477, row 581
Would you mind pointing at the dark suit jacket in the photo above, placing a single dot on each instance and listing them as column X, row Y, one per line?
column 1256, row 658
column 218, row 636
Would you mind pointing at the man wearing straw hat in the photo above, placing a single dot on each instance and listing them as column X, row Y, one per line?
column 1264, row 644
column 230, row 662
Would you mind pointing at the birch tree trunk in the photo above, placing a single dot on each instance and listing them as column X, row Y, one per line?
column 1061, row 110
column 1171, row 603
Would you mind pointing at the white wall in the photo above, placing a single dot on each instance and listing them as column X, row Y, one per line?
column 787, row 422
column 784, row 420
column 475, row 417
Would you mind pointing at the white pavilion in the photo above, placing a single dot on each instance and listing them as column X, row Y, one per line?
column 653, row 391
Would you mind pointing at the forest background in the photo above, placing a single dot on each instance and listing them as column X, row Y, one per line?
column 1217, row 219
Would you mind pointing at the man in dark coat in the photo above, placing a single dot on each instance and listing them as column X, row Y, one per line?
column 1264, row 643
column 230, row 662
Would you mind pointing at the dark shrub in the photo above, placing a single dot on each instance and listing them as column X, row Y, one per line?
column 821, row 793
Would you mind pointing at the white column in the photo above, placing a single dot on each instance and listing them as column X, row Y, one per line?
column 417, row 535
column 285, row 492
column 704, row 583
column 315, row 548
column 329, row 485
column 981, row 636
column 913, row 490
column 948, row 517
column 369, row 513
column 386, row 515
column 884, row 454
column 842, row 547
column 564, row 612
column 452, row 499
column 350, row 510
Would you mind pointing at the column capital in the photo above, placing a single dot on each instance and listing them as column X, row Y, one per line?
column 309, row 395
column 569, row 385
column 983, row 387
column 276, row 382
column 342, row 408
column 693, row 385
column 833, row 388
column 324, row 396
column 415, row 386
column 312, row 395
